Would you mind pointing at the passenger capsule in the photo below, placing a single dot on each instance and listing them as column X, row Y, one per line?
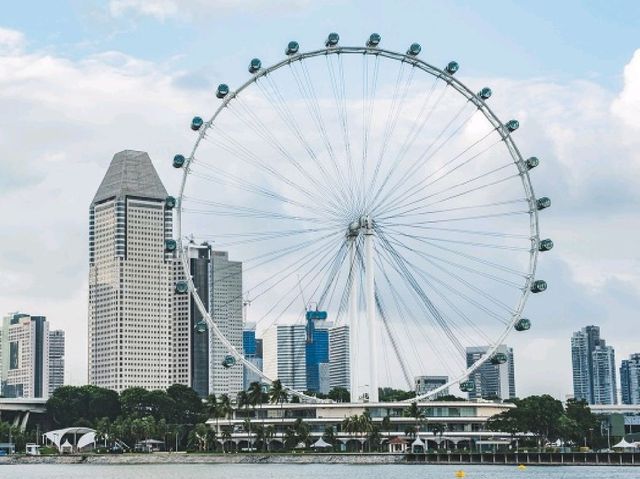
column 170, row 202
column 178, row 161
column 542, row 203
column 414, row 49
column 332, row 40
column 222, row 91
column 182, row 287
column 499, row 358
column 485, row 93
column 254, row 65
column 531, row 162
column 374, row 40
column 523, row 324
column 468, row 386
column 196, row 123
column 512, row 125
column 170, row 245
column 292, row 48
column 228, row 361
column 545, row 245
column 452, row 67
column 201, row 326
column 539, row 286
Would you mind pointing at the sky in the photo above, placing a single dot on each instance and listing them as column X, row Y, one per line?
column 81, row 80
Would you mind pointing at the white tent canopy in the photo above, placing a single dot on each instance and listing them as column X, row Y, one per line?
column 417, row 442
column 624, row 445
column 320, row 444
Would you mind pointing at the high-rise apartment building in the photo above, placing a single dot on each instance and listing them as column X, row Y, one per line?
column 252, row 348
column 630, row 379
column 339, row 358
column 56, row 360
column 424, row 384
column 317, row 352
column 284, row 354
column 492, row 380
column 226, row 305
column 131, row 326
column 24, row 353
column 593, row 362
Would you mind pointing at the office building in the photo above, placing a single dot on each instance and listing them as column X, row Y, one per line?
column 492, row 381
column 424, row 384
column 56, row 360
column 131, row 326
column 284, row 354
column 317, row 352
column 252, row 348
column 630, row 379
column 24, row 349
column 339, row 358
column 226, row 304
column 593, row 362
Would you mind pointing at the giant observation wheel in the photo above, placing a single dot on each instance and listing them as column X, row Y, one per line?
column 375, row 187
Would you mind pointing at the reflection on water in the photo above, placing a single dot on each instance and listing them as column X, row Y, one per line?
column 311, row 471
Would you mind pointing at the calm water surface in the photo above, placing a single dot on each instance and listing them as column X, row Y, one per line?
column 311, row 471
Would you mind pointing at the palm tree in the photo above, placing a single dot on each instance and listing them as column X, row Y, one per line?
column 415, row 412
column 365, row 425
column 438, row 428
column 246, row 425
column 225, row 436
column 329, row 436
column 255, row 394
column 351, row 424
column 269, row 432
column 302, row 431
column 224, row 405
column 278, row 395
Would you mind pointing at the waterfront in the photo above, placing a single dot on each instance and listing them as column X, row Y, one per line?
column 310, row 471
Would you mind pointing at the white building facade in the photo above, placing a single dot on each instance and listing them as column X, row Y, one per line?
column 56, row 360
column 339, row 358
column 284, row 354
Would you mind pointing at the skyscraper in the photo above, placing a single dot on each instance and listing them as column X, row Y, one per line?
column 284, row 353
column 492, row 380
column 227, row 314
column 130, row 322
column 594, row 373
column 424, row 384
column 317, row 352
column 339, row 358
column 56, row 360
column 630, row 379
column 252, row 348
column 24, row 349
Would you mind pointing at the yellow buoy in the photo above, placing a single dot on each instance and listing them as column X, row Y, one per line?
column 460, row 473
column 522, row 467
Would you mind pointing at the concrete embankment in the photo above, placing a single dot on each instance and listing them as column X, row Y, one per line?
column 556, row 459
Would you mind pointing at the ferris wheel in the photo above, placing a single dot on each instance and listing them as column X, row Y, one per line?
column 379, row 188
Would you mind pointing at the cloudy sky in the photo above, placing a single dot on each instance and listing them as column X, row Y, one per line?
column 80, row 81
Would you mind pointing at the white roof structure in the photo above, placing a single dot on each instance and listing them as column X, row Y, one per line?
column 87, row 439
column 624, row 444
column 417, row 442
column 320, row 444
column 57, row 435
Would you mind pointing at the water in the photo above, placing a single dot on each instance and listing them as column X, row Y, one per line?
column 309, row 471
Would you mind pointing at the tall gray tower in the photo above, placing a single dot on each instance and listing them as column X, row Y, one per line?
column 56, row 360
column 130, row 326
column 594, row 373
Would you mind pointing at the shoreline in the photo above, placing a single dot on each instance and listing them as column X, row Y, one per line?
column 533, row 459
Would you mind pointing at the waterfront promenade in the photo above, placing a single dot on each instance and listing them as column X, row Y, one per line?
column 532, row 458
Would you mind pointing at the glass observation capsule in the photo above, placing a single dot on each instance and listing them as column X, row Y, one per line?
column 228, row 361
column 542, row 203
column 452, row 67
column 545, row 245
column 414, row 49
column 201, row 326
column 292, row 48
column 170, row 202
column 485, row 93
column 254, row 65
column 222, row 90
column 468, row 386
column 512, row 125
column 374, row 40
column 523, row 324
column 170, row 245
column 538, row 286
column 196, row 123
column 178, row 161
column 531, row 162
column 498, row 358
column 332, row 40
column 182, row 287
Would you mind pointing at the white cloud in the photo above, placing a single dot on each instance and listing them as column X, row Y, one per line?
column 11, row 41
column 627, row 105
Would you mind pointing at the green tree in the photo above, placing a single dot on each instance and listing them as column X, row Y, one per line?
column 339, row 394
column 191, row 408
column 587, row 424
